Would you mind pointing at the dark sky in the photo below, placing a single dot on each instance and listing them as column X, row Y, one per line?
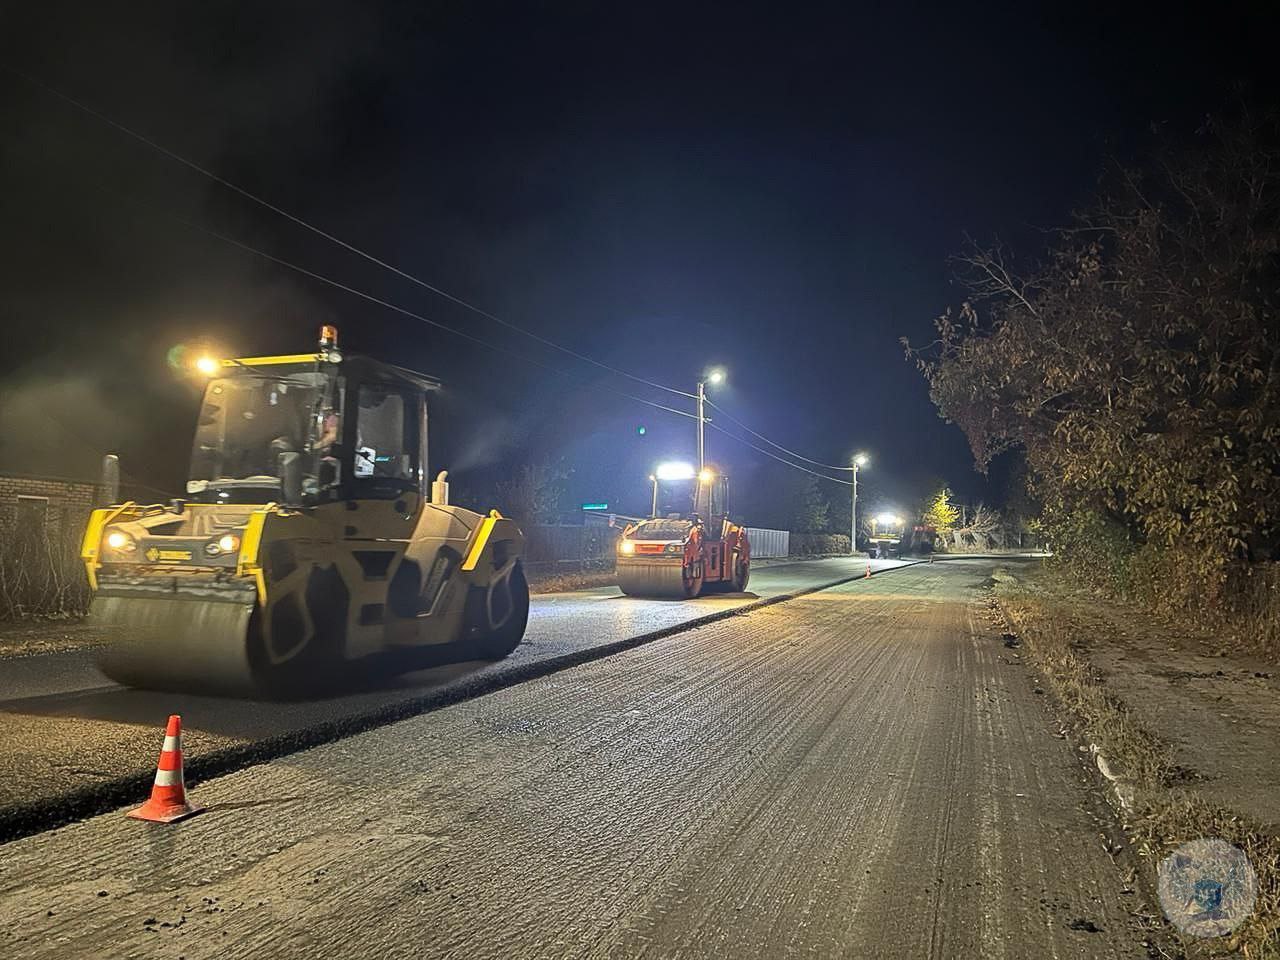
column 772, row 188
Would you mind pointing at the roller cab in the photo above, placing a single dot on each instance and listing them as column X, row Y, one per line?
column 688, row 546
column 310, row 541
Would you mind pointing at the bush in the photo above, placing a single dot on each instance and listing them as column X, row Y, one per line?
column 818, row 544
column 40, row 570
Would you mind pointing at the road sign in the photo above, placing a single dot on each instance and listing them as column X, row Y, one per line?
column 595, row 506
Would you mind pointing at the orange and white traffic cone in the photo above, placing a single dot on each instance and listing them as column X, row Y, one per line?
column 169, row 794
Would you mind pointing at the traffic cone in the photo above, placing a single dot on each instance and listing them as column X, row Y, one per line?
column 168, row 801
column 868, row 576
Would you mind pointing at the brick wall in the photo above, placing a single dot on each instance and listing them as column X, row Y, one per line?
column 78, row 492
column 41, row 522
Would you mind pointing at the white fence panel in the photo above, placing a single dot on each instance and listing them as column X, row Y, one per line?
column 769, row 543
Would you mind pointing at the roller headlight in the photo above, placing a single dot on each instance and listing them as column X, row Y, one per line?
column 227, row 543
column 627, row 547
column 120, row 542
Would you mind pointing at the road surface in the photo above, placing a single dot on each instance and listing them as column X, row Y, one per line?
column 860, row 772
column 75, row 743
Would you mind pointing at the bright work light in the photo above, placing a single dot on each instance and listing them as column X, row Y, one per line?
column 676, row 471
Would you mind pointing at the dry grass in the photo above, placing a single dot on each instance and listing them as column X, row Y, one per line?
column 1162, row 813
column 564, row 582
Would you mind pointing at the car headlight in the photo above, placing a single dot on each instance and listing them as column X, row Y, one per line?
column 675, row 548
column 120, row 542
column 626, row 546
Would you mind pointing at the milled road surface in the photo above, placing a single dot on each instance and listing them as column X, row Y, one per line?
column 861, row 772
column 69, row 731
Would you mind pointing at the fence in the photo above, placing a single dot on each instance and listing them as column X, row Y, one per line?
column 769, row 543
column 40, row 570
column 568, row 548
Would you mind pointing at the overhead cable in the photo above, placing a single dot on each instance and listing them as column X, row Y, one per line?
column 820, row 476
column 790, row 453
column 299, row 221
column 404, row 311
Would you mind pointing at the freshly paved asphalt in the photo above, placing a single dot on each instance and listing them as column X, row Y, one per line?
column 74, row 743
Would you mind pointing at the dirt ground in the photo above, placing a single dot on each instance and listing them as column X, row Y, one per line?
column 1219, row 714
column 32, row 637
column 1188, row 732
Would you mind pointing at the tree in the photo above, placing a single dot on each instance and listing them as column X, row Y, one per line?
column 534, row 493
column 810, row 511
column 1137, row 365
column 939, row 512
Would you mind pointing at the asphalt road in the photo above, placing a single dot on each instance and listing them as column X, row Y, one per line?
column 74, row 743
column 860, row 772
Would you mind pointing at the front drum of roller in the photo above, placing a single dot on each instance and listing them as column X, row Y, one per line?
column 656, row 579
column 194, row 645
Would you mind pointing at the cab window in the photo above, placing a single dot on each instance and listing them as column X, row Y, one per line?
column 385, row 447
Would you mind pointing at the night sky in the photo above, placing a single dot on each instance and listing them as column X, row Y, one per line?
column 774, row 189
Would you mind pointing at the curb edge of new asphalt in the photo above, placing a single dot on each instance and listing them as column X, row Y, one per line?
column 47, row 813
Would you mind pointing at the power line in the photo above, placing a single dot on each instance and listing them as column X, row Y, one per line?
column 820, row 476
column 279, row 211
column 417, row 316
column 222, row 181
column 790, row 453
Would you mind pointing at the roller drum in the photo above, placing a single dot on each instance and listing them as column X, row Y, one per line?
column 190, row 644
column 655, row 579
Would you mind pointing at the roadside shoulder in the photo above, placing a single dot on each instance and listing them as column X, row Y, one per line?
column 29, row 638
column 1185, row 734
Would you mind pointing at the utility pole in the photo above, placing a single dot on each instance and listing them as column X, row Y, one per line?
column 702, row 396
column 853, row 512
column 712, row 377
column 859, row 460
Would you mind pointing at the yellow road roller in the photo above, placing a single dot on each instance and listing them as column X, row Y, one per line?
column 310, row 541
column 688, row 545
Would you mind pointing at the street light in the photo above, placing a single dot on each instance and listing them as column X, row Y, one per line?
column 715, row 377
column 859, row 460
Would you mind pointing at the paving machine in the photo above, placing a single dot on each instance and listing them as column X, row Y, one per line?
column 310, row 540
column 688, row 545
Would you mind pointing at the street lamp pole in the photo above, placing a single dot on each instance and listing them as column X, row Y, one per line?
column 853, row 513
column 859, row 460
column 712, row 377
column 702, row 396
